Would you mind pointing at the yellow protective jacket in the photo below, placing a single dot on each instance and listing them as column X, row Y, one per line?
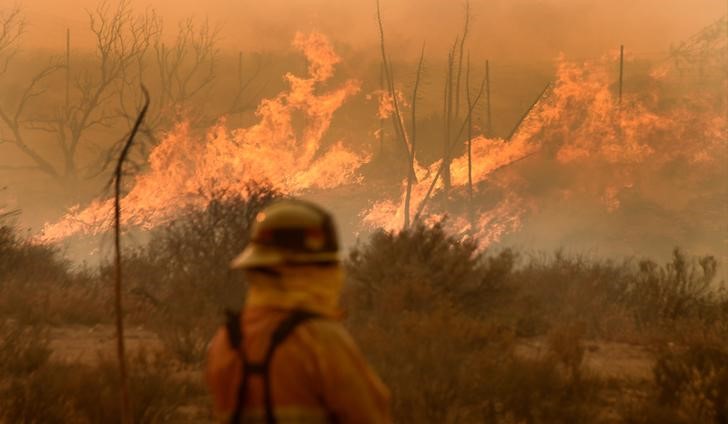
column 317, row 374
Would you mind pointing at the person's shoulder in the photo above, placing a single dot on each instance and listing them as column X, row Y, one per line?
column 220, row 353
column 328, row 330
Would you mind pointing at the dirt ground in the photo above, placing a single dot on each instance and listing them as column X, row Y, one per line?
column 85, row 345
column 607, row 360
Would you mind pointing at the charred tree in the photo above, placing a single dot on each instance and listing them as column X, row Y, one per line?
column 453, row 84
column 126, row 407
column 398, row 120
column 469, row 137
column 411, row 177
column 447, row 116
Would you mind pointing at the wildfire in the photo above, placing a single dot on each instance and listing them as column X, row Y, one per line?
column 593, row 146
column 581, row 127
column 183, row 167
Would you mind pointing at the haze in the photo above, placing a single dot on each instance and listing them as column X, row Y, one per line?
column 517, row 30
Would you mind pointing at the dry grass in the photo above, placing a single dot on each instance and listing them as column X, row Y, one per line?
column 443, row 323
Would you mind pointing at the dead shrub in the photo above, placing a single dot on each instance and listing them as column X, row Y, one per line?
column 23, row 349
column 425, row 309
column 37, row 287
column 691, row 386
column 60, row 392
column 183, row 273
column 565, row 344
column 450, row 267
column 695, row 380
column 682, row 288
column 551, row 290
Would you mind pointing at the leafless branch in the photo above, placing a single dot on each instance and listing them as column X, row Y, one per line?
column 389, row 78
column 411, row 177
column 422, row 205
column 126, row 412
column 12, row 26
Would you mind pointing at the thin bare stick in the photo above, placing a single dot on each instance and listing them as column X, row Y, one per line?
column 397, row 116
column 621, row 72
column 443, row 165
column 126, row 413
column 471, row 208
column 413, row 141
column 448, row 116
column 488, row 119
column 541, row 95
column 466, row 27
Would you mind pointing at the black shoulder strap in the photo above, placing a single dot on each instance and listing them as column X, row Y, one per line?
column 234, row 332
column 284, row 329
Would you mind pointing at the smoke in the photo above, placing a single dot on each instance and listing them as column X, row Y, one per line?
column 582, row 170
column 522, row 30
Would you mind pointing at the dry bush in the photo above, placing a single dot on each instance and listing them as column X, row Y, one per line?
column 37, row 287
column 691, row 386
column 567, row 348
column 22, row 262
column 682, row 288
column 623, row 301
column 22, row 349
column 557, row 289
column 183, row 274
column 695, row 380
column 60, row 392
column 423, row 307
column 448, row 266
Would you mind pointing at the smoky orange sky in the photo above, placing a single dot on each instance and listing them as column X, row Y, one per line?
column 502, row 29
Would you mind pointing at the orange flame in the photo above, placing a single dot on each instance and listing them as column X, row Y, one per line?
column 579, row 127
column 582, row 122
column 183, row 167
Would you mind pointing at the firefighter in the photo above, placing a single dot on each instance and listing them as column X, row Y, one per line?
column 286, row 357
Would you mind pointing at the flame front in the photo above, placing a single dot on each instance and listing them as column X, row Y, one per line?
column 581, row 128
column 185, row 167
column 580, row 140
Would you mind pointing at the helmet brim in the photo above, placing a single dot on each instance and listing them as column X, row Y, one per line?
column 257, row 256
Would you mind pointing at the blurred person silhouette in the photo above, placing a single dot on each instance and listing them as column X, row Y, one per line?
column 285, row 357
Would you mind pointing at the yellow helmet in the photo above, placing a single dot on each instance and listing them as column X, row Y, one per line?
column 290, row 232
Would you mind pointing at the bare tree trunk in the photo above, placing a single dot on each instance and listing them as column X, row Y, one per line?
column 441, row 169
column 621, row 73
column 126, row 411
column 411, row 177
column 448, row 119
column 466, row 27
column 488, row 116
column 381, row 120
column 541, row 95
column 68, row 68
column 471, row 207
column 397, row 116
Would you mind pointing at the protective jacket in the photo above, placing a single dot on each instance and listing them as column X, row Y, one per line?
column 316, row 374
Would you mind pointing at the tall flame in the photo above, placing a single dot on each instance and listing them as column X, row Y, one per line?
column 580, row 130
column 580, row 123
column 183, row 167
